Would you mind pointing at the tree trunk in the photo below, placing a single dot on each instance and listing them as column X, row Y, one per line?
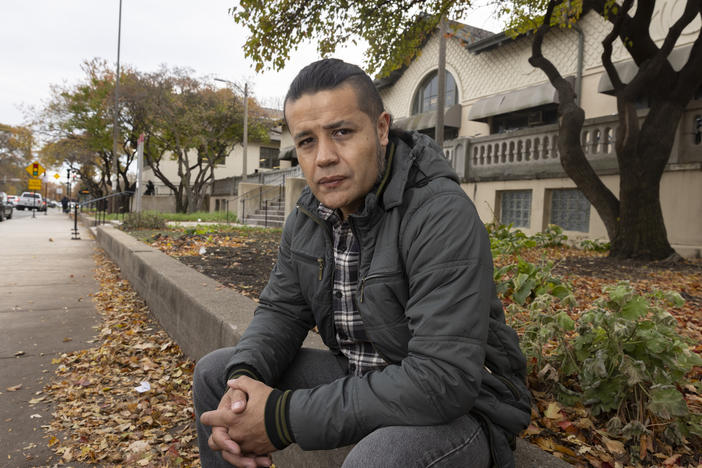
column 642, row 155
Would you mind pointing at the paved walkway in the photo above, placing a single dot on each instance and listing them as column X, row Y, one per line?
column 46, row 308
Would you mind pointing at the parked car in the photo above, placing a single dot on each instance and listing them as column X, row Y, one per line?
column 5, row 207
column 30, row 201
column 13, row 199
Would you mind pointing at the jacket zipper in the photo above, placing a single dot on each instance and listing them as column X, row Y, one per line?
column 506, row 381
column 319, row 260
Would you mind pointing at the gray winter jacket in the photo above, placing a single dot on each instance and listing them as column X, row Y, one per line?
column 427, row 299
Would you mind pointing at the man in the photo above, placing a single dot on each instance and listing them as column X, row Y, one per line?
column 386, row 256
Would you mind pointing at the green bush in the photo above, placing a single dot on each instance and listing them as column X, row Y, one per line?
column 144, row 220
column 594, row 245
column 552, row 237
column 524, row 281
column 623, row 359
column 505, row 241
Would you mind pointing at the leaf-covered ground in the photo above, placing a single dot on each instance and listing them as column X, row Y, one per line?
column 243, row 261
column 111, row 423
column 127, row 400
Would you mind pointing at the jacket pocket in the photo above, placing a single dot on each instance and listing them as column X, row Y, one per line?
column 306, row 260
column 381, row 302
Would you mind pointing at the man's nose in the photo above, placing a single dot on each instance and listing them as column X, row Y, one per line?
column 326, row 153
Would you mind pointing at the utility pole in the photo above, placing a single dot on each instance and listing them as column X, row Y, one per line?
column 246, row 129
column 115, row 123
column 245, row 142
column 441, row 76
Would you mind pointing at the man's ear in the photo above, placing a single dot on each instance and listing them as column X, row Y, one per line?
column 383, row 128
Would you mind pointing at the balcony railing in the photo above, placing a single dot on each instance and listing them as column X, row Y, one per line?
column 533, row 152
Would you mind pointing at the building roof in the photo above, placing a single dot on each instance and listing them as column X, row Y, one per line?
column 465, row 34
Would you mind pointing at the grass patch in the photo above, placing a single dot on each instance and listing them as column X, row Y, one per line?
column 201, row 217
column 198, row 216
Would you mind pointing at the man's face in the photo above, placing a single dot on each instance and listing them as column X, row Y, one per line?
column 338, row 146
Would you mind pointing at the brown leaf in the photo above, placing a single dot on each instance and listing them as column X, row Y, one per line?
column 14, row 388
column 553, row 411
column 614, row 446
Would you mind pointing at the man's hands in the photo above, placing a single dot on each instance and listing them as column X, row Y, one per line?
column 238, row 427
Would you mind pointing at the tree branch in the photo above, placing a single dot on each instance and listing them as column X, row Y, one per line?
column 691, row 10
column 607, row 46
column 690, row 75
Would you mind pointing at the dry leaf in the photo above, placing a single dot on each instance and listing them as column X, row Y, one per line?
column 138, row 446
column 14, row 388
column 614, row 446
column 553, row 411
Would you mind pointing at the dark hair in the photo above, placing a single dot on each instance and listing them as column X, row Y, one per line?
column 331, row 73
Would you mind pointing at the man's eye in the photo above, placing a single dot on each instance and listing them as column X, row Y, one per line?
column 339, row 132
column 303, row 143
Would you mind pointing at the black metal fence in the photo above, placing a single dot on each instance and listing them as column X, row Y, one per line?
column 98, row 208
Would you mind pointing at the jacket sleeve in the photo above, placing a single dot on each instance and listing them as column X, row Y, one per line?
column 449, row 270
column 280, row 323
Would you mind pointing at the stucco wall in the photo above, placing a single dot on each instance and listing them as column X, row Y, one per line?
column 681, row 219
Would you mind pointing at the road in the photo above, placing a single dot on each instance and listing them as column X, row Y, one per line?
column 46, row 308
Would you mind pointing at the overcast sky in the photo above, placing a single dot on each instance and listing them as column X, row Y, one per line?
column 44, row 42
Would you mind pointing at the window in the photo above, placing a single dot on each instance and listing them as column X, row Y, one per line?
column 533, row 117
column 268, row 158
column 428, row 94
column 515, row 207
column 570, row 210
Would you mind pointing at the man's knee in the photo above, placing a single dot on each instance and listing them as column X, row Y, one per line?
column 209, row 372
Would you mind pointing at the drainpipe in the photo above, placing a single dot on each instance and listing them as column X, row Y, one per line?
column 579, row 71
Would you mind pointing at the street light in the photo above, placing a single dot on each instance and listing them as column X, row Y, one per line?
column 246, row 119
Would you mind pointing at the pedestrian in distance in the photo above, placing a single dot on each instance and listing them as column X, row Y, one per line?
column 64, row 204
column 386, row 256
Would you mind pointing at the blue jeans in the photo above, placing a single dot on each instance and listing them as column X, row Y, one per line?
column 460, row 443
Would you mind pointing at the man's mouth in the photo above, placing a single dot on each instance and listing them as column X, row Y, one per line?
column 331, row 181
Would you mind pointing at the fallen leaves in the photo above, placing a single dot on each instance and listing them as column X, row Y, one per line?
column 242, row 261
column 107, row 421
column 14, row 388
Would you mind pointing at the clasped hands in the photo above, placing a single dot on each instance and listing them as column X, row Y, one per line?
column 238, row 427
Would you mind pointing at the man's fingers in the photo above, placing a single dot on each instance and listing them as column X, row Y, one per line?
column 263, row 461
column 218, row 417
column 243, row 383
column 238, row 399
column 241, row 461
column 220, row 441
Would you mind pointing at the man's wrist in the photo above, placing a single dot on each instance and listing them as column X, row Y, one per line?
column 244, row 370
column 277, row 418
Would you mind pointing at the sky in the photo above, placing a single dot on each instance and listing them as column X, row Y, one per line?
column 44, row 43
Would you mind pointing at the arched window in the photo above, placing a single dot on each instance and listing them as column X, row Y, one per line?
column 428, row 93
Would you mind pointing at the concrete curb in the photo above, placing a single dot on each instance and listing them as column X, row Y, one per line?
column 201, row 315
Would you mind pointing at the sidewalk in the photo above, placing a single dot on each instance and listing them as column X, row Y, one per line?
column 46, row 308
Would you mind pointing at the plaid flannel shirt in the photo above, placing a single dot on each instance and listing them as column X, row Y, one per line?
column 350, row 333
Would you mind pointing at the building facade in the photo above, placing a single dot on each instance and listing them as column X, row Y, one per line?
column 501, row 125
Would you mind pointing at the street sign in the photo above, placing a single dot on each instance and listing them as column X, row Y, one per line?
column 34, row 184
column 56, row 176
column 35, row 169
